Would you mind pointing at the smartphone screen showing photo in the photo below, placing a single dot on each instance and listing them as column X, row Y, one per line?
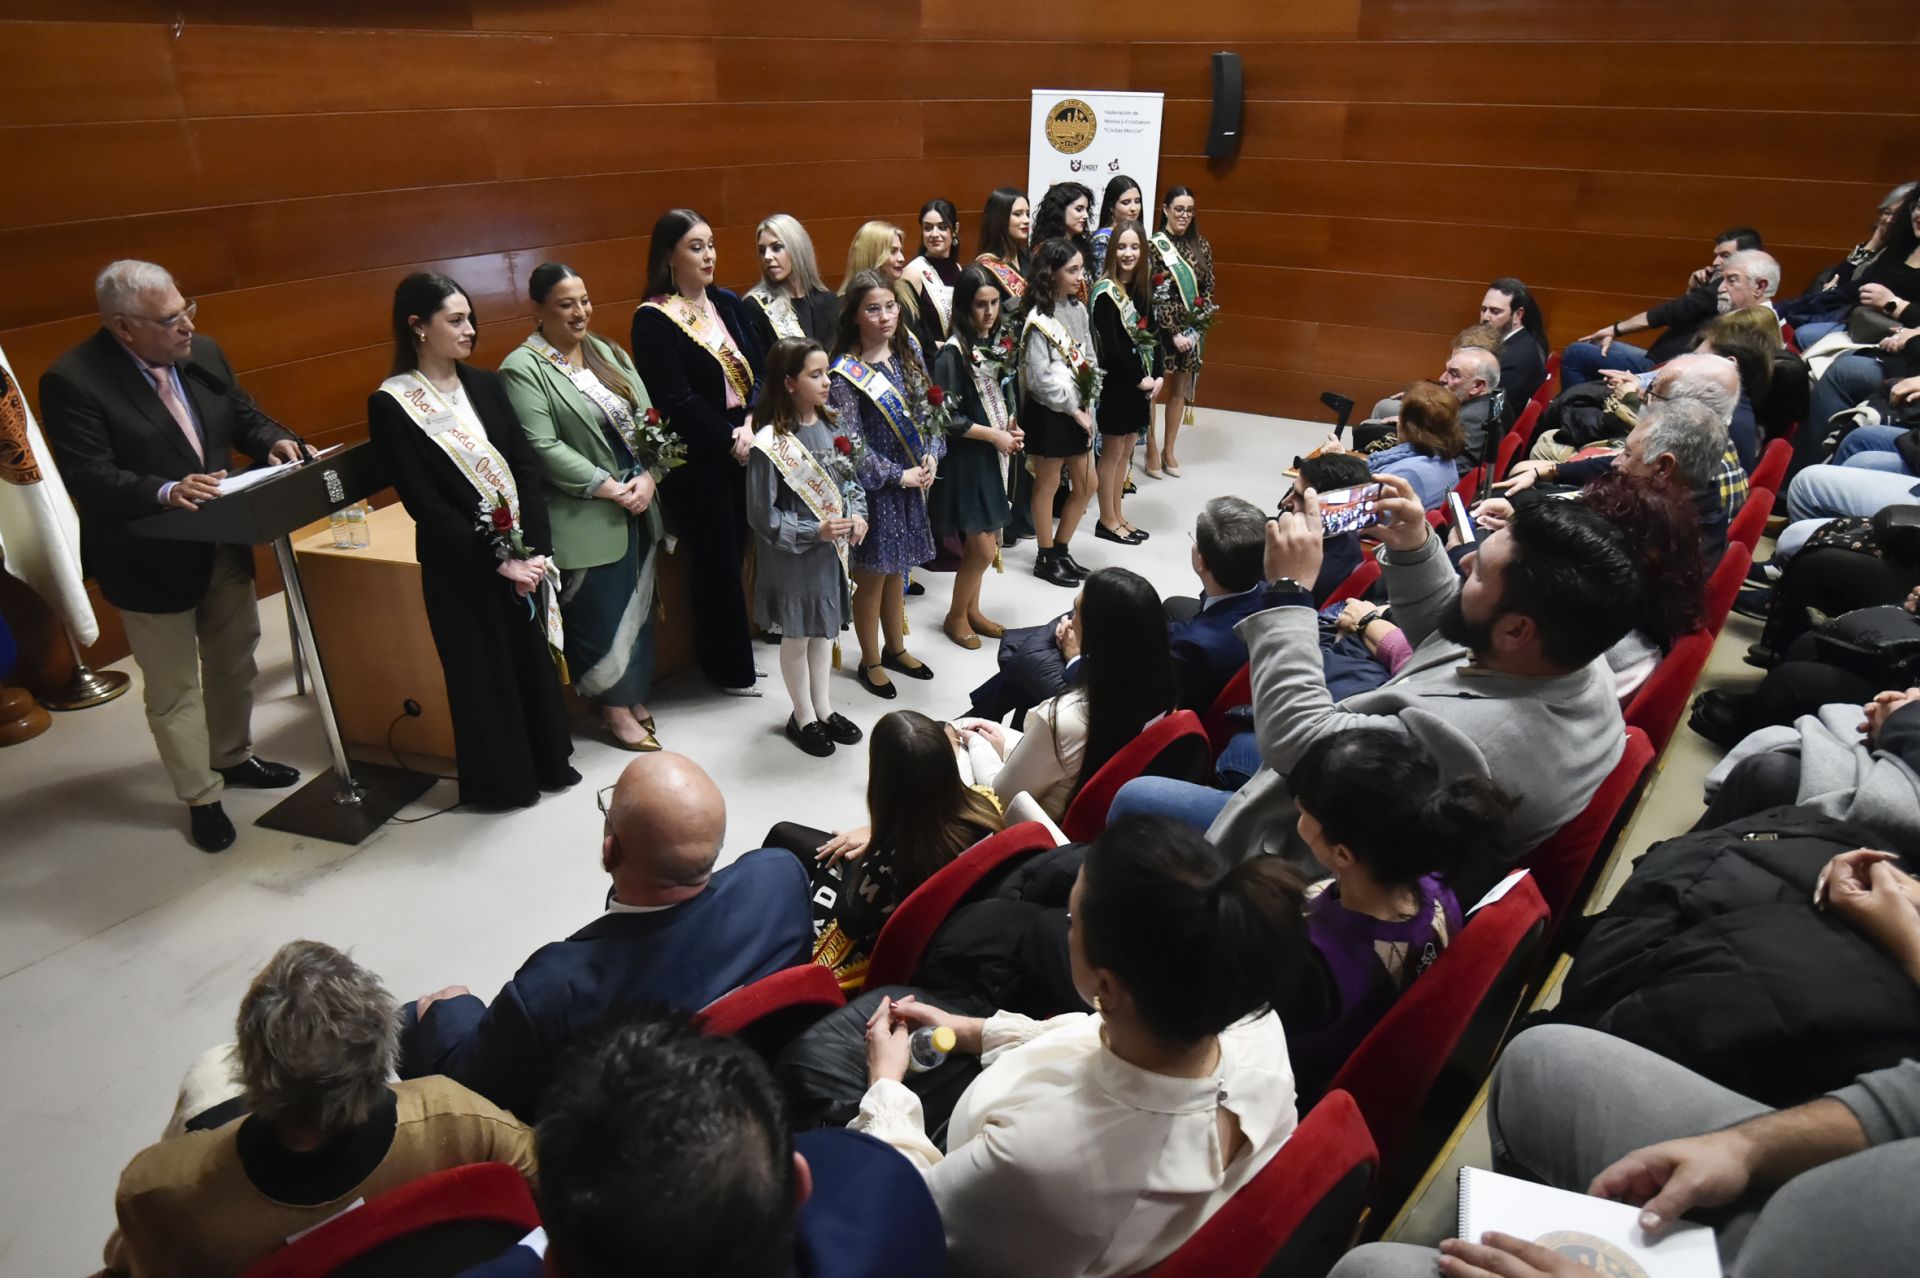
column 1349, row 509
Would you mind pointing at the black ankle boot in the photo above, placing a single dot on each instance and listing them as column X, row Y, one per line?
column 1073, row 565
column 1047, row 567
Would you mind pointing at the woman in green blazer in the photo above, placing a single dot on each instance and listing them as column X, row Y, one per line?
column 588, row 416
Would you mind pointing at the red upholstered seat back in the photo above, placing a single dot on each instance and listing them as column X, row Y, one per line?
column 774, row 1009
column 1174, row 745
column 438, row 1225
column 909, row 929
column 1772, row 467
column 1563, row 864
column 1298, row 1213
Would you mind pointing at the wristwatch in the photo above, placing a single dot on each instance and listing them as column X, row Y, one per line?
column 1288, row 583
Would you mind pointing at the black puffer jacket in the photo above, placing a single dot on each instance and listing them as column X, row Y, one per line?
column 1713, row 956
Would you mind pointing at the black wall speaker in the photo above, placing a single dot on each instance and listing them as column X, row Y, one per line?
column 1223, row 131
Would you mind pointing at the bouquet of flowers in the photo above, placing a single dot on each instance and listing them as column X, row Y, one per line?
column 496, row 522
column 939, row 416
column 1145, row 340
column 843, row 466
column 1202, row 314
column 662, row 448
column 1087, row 378
column 998, row 350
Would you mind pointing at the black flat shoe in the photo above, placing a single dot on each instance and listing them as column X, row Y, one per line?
column 1052, row 570
column 1138, row 535
column 212, row 831
column 1103, row 533
column 813, row 738
column 915, row 588
column 258, row 774
column 842, row 729
column 891, row 660
column 1720, row 717
column 1761, row 657
column 887, row 690
column 1755, row 602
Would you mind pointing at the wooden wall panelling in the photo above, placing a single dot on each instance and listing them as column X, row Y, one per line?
column 1724, row 22
column 79, row 172
column 67, row 72
column 248, row 159
column 1156, row 20
column 853, row 19
column 429, row 14
column 50, row 269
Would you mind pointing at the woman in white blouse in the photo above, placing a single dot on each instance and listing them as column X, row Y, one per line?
column 1123, row 680
column 1097, row 1144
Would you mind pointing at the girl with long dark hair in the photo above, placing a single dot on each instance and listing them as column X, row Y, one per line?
column 970, row 500
column 1006, row 226
column 936, row 268
column 1066, row 212
column 1120, row 202
column 465, row 471
column 1129, row 349
column 1124, row 681
column 691, row 345
column 1059, row 377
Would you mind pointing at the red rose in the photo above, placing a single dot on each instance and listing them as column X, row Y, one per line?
column 653, row 416
column 502, row 519
column 843, row 445
column 1141, row 323
column 936, row 396
column 1159, row 278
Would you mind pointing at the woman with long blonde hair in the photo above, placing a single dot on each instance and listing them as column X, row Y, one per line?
column 791, row 300
column 880, row 246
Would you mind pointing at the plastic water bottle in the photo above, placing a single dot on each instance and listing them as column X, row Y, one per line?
column 929, row 1047
column 358, row 535
column 342, row 534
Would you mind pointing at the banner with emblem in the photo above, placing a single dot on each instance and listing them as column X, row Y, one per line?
column 39, row 531
column 1088, row 136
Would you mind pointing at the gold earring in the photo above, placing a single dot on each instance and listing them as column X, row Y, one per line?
column 421, row 336
column 1098, row 1010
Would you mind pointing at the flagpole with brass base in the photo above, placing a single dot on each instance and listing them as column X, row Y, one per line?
column 88, row 687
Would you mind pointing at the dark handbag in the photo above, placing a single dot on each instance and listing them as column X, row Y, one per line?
column 1881, row 645
column 1869, row 324
column 1896, row 531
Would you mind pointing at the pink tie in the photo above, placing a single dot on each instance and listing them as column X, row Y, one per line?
column 162, row 375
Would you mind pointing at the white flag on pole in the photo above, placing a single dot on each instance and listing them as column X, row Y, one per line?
column 39, row 531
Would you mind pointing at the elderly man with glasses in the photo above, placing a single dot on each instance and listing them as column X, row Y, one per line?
column 144, row 415
column 675, row 933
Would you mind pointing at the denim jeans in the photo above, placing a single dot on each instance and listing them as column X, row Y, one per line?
column 1858, row 488
column 1848, row 380
column 1872, row 446
column 1582, row 361
column 1185, row 802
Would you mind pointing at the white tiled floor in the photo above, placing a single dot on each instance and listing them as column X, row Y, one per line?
column 124, row 950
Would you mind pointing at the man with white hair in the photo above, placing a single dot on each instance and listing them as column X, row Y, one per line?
column 1682, row 317
column 1472, row 373
column 1750, row 277
column 143, row 416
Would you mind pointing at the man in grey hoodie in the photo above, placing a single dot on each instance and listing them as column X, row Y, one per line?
column 1507, row 680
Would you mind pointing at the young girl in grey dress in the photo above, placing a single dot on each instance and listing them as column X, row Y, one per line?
column 807, row 507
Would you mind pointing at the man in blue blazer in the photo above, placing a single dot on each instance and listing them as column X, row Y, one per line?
column 1229, row 545
column 675, row 934
column 662, row 1151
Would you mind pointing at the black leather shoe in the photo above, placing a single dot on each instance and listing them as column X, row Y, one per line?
column 1103, row 533
column 1754, row 602
column 1720, row 717
column 887, row 690
column 915, row 588
column 891, row 660
column 1074, row 566
column 842, row 729
column 212, row 832
column 1761, row 657
column 813, row 738
column 258, row 774
column 1049, row 568
column 1138, row 535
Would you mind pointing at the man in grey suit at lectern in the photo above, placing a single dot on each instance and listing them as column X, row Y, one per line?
column 142, row 416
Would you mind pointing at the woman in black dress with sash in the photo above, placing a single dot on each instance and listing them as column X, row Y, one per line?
column 1129, row 347
column 448, row 434
column 692, row 347
column 970, row 497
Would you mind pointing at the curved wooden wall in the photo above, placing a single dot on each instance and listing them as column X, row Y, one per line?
column 289, row 161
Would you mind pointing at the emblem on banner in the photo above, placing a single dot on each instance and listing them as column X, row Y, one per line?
column 17, row 462
column 1070, row 126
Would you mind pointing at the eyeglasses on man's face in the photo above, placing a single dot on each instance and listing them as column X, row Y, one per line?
column 179, row 317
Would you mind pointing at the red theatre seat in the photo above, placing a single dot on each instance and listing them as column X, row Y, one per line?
column 1174, row 745
column 1773, row 463
column 772, row 1011
column 438, row 1225
column 1416, row 1073
column 1358, row 582
column 1724, row 586
column 1746, row 527
column 909, row 929
column 1656, row 707
column 1563, row 865
column 1516, row 439
column 1298, row 1213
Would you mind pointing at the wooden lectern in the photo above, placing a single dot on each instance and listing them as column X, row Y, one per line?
column 353, row 800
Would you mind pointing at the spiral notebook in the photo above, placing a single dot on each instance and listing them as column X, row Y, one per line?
column 1604, row 1236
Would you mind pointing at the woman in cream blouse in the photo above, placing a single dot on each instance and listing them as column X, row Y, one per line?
column 1097, row 1144
column 1120, row 679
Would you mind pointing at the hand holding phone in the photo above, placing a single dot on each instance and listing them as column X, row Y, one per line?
column 1461, row 523
column 1350, row 509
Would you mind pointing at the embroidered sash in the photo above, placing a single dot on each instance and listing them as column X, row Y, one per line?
column 987, row 385
column 466, row 444
column 732, row 363
column 1183, row 274
column 807, row 479
column 617, row 410
column 1057, row 336
column 937, row 290
column 1129, row 317
column 882, row 394
column 778, row 308
column 1010, row 279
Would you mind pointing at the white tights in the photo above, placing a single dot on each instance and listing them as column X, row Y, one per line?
column 805, row 665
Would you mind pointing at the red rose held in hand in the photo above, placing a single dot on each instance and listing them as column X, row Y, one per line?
column 842, row 445
column 936, row 396
column 502, row 519
column 653, row 416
